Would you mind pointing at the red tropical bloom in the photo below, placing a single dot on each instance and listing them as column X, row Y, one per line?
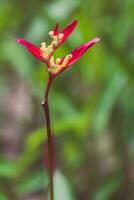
column 45, row 53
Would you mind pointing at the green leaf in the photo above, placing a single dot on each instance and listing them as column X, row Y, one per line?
column 7, row 168
column 33, row 183
column 3, row 196
column 75, row 124
column 107, row 101
column 106, row 190
column 61, row 187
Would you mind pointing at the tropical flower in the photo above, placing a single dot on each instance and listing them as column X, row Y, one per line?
column 45, row 53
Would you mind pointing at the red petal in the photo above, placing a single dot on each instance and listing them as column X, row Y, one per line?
column 78, row 52
column 35, row 51
column 56, row 29
column 69, row 29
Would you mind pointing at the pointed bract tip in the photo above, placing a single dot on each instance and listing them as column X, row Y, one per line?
column 33, row 49
column 69, row 29
column 75, row 21
column 21, row 41
column 97, row 39
column 73, row 24
column 56, row 29
column 18, row 40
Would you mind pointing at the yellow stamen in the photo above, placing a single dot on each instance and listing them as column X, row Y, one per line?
column 61, row 35
column 58, row 60
column 48, row 51
column 65, row 61
column 51, row 33
column 55, row 44
column 52, row 61
column 43, row 46
column 55, row 38
column 58, row 67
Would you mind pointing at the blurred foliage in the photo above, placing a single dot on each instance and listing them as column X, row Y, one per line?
column 92, row 103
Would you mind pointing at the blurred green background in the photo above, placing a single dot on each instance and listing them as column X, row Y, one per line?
column 92, row 103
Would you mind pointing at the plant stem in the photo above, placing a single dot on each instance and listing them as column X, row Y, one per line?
column 49, row 137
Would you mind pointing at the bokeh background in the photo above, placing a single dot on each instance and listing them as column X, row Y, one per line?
column 92, row 103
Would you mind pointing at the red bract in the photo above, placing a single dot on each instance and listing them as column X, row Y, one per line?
column 35, row 51
column 78, row 52
column 45, row 53
column 56, row 29
column 68, row 30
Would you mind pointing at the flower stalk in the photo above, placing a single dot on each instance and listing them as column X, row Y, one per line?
column 45, row 105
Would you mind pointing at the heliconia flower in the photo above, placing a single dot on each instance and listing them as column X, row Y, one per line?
column 45, row 53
